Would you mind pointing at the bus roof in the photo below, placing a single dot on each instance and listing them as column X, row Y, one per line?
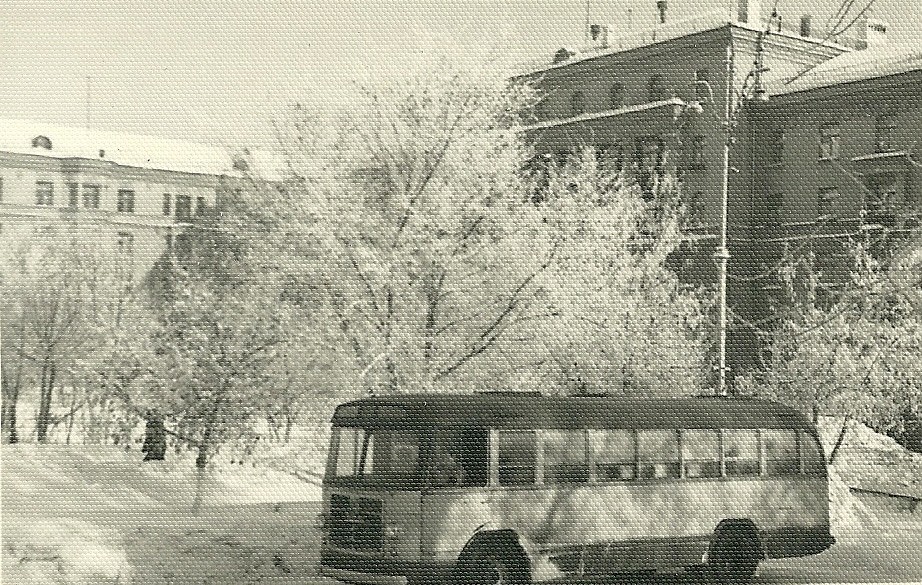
column 525, row 410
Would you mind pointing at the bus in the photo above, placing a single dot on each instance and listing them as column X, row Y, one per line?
column 520, row 488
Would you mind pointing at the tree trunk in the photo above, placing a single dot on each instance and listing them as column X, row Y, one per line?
column 839, row 440
column 154, row 446
column 10, row 394
column 44, row 404
column 201, row 461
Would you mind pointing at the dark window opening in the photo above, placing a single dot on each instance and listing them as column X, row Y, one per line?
column 44, row 193
column 73, row 190
column 884, row 128
column 827, row 202
column 167, row 204
column 578, row 103
column 829, row 141
column 702, row 87
column 616, row 96
column 183, row 208
column 91, row 195
column 656, row 90
column 125, row 201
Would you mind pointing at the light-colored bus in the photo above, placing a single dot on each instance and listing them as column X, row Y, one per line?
column 513, row 488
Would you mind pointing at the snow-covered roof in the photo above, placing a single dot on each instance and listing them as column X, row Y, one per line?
column 132, row 150
column 853, row 66
column 671, row 30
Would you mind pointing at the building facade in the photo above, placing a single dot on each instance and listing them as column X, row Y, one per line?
column 823, row 133
column 128, row 195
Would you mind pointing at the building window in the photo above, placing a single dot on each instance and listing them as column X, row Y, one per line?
column 518, row 458
column 696, row 152
column 616, row 96
column 73, row 195
column 183, row 207
column 1, row 189
column 827, row 202
column 829, row 141
column 167, row 204
column 881, row 201
column 656, row 91
column 702, row 87
column 125, row 243
column 775, row 147
column 200, row 206
column 91, row 195
column 883, row 133
column 44, row 193
column 565, row 458
column 578, row 103
column 125, row 201
column 168, row 241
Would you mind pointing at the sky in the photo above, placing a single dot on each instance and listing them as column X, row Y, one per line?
column 219, row 71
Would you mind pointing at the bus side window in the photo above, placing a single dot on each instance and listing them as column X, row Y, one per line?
column 814, row 460
column 741, row 452
column 518, row 456
column 565, row 457
column 659, row 454
column 613, row 452
column 781, row 452
column 460, row 458
column 701, row 453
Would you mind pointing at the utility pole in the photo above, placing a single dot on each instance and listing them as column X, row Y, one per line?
column 722, row 254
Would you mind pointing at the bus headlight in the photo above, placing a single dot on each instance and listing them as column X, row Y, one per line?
column 393, row 530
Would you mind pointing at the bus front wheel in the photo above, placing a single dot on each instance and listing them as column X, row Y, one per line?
column 734, row 559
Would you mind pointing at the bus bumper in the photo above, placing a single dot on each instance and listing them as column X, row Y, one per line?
column 797, row 542
column 362, row 569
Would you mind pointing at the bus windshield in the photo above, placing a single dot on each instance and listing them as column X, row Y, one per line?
column 374, row 453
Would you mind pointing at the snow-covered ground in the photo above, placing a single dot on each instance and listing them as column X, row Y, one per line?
column 87, row 515
column 90, row 515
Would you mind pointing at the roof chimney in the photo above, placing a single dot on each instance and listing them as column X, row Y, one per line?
column 805, row 25
column 598, row 35
column 876, row 32
column 749, row 11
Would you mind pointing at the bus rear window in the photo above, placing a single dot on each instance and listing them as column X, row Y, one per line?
column 517, row 457
column 565, row 457
column 377, row 452
column 659, row 454
column 701, row 451
column 613, row 452
column 781, row 452
column 741, row 452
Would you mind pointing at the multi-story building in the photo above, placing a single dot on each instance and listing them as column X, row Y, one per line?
column 823, row 134
column 128, row 194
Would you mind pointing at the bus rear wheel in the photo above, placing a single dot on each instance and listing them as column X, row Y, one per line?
column 494, row 565
column 734, row 558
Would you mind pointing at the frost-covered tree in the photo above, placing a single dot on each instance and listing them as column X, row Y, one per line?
column 854, row 352
column 408, row 231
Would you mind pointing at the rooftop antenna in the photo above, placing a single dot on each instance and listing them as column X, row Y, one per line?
column 586, row 28
column 87, row 102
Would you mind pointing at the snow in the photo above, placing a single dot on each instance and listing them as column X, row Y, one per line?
column 80, row 515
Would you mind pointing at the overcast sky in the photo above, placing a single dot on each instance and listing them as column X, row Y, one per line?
column 216, row 71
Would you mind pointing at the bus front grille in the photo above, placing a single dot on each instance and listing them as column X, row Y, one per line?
column 355, row 523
